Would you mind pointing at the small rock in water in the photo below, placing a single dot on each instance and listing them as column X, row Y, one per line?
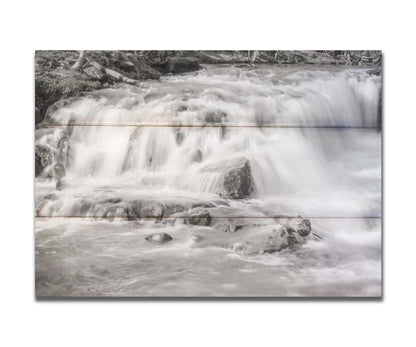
column 197, row 156
column 50, row 196
column 159, row 237
column 232, row 228
column 181, row 108
column 179, row 136
column 300, row 225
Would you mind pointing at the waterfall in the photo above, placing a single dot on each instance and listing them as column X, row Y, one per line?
column 165, row 134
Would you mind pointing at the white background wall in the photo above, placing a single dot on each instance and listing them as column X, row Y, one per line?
column 29, row 25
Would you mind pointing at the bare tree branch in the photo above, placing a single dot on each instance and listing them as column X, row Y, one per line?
column 80, row 61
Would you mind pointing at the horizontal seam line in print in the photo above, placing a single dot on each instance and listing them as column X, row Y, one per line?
column 340, row 127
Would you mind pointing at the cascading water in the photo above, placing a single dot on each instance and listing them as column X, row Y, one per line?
column 309, row 136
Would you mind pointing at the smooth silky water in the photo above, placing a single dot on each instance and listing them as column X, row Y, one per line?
column 324, row 163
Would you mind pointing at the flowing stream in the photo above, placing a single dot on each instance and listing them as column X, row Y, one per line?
column 310, row 136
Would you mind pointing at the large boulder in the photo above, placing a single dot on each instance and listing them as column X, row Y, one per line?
column 147, row 207
column 182, row 64
column 237, row 181
column 143, row 69
column 279, row 238
column 256, row 238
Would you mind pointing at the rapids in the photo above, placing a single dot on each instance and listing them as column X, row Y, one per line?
column 312, row 140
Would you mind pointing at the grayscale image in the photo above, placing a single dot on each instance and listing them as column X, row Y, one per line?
column 208, row 173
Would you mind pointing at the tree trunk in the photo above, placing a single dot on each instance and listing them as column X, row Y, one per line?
column 80, row 61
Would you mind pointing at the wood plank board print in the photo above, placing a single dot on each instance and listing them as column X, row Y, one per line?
column 208, row 174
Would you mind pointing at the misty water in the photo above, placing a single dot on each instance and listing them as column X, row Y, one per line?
column 310, row 136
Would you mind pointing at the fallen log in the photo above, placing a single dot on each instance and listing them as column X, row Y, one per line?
column 112, row 73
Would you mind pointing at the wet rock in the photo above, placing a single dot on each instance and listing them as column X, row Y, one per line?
column 86, row 206
column 223, row 131
column 214, row 117
column 146, row 209
column 238, row 183
column 43, row 158
column 142, row 69
column 301, row 226
column 63, row 147
column 182, row 64
column 233, row 228
column 276, row 240
column 159, row 238
column 230, row 228
column 165, row 208
column 132, row 146
column 38, row 115
column 50, row 196
column 116, row 212
column 100, row 211
column 179, row 136
column 110, row 201
column 170, row 208
column 198, row 217
column 181, row 108
column 82, row 207
column 376, row 72
column 196, row 156
column 237, row 180
column 380, row 110
column 60, row 173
